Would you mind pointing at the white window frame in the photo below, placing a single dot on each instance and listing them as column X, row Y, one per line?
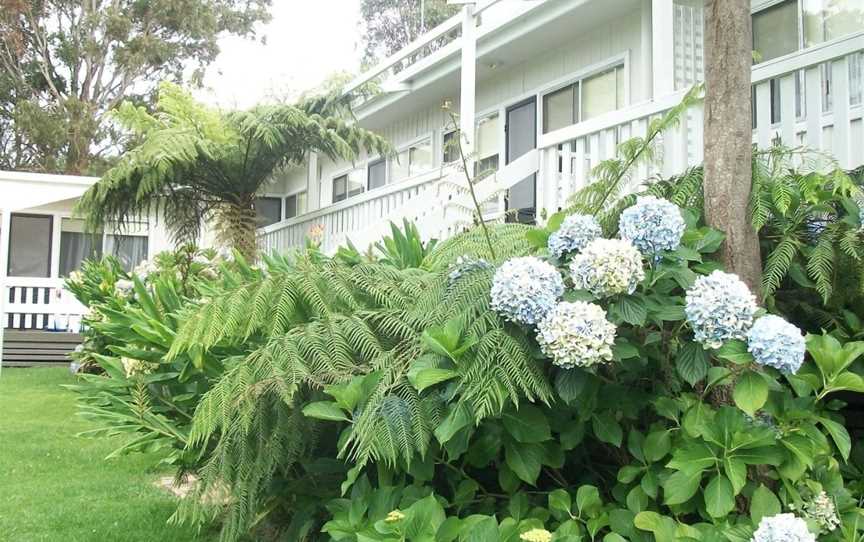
column 295, row 192
column 430, row 136
column 145, row 230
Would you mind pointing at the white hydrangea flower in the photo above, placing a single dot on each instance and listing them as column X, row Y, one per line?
column 822, row 511
column 124, row 287
column 776, row 343
column 135, row 367
column 575, row 233
column 145, row 269
column 536, row 535
column 652, row 225
column 576, row 334
column 783, row 528
column 719, row 307
column 607, row 267
column 525, row 289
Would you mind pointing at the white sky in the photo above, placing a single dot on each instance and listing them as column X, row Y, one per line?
column 307, row 41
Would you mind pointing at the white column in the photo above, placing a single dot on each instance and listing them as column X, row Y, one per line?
column 647, row 86
column 468, row 83
column 313, row 183
column 663, row 47
column 5, row 226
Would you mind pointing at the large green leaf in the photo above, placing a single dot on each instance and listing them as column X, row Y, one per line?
column 607, row 429
column 763, row 503
column 751, row 392
column 719, row 497
column 525, row 460
column 324, row 410
column 692, row 363
column 681, row 486
column 527, row 425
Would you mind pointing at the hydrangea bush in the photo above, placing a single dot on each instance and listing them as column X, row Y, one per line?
column 607, row 267
column 653, row 225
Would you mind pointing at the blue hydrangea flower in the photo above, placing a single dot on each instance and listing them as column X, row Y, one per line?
column 719, row 307
column 776, row 343
column 465, row 265
column 652, row 225
column 783, row 528
column 576, row 335
column 525, row 289
column 575, row 233
column 607, row 267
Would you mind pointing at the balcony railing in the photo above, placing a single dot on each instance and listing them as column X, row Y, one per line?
column 40, row 303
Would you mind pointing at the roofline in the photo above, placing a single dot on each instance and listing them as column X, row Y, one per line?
column 47, row 178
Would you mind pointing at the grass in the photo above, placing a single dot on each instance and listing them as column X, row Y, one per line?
column 55, row 486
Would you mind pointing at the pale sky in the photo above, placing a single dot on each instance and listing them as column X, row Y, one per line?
column 307, row 41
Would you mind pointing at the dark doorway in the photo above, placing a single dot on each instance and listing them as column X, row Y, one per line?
column 521, row 128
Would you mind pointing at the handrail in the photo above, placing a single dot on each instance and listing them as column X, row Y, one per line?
column 33, row 282
column 812, row 56
column 426, row 39
column 369, row 195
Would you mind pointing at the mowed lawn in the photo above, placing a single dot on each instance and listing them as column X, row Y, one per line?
column 55, row 486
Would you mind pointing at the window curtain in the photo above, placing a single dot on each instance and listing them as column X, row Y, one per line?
column 129, row 249
column 77, row 245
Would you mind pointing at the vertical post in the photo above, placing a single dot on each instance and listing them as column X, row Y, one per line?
column 663, row 47
column 5, row 227
column 313, row 183
column 468, row 84
column 646, row 60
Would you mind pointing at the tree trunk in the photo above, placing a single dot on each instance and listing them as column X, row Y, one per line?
column 728, row 135
column 236, row 228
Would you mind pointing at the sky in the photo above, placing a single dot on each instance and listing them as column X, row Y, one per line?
column 306, row 41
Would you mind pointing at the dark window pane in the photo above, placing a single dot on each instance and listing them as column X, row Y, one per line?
column 268, row 211
column 451, row 149
column 377, row 174
column 30, row 246
column 775, row 30
column 340, row 185
column 291, row 206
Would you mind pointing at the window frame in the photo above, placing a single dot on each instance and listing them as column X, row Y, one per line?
column 374, row 162
column 295, row 194
column 346, row 172
column 578, row 77
column 272, row 196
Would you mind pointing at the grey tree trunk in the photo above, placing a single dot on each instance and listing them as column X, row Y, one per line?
column 728, row 134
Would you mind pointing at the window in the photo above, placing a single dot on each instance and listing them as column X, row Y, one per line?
column 775, row 30
column 30, row 246
column 602, row 93
column 347, row 185
column 377, row 174
column 268, row 211
column 131, row 250
column 412, row 161
column 295, row 205
column 77, row 245
column 825, row 20
column 561, row 108
column 450, row 147
column 584, row 99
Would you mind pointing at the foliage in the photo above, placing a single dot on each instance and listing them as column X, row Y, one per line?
column 390, row 25
column 193, row 164
column 64, row 64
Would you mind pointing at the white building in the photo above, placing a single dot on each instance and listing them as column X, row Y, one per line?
column 547, row 89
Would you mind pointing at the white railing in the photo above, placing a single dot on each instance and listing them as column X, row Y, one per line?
column 40, row 303
column 830, row 79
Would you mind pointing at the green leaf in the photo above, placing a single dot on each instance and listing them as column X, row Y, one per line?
column 662, row 527
column 555, row 221
column 456, row 419
column 751, row 392
column 524, row 460
column 426, row 378
column 324, row 410
column 560, row 501
column 423, row 518
column 527, row 425
column 607, row 429
column 657, row 445
column 681, row 486
column 736, row 352
column 736, row 471
column 588, row 500
column 631, row 310
column 839, row 435
column 763, row 503
column 692, row 363
column 719, row 497
column 537, row 237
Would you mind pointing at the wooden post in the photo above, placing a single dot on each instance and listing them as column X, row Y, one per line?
column 5, row 226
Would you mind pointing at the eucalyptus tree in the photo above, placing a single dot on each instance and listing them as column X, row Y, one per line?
column 190, row 164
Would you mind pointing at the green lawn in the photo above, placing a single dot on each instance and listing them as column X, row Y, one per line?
column 56, row 486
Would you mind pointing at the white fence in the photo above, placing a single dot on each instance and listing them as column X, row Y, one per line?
column 40, row 303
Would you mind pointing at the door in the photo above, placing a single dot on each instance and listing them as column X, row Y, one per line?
column 521, row 129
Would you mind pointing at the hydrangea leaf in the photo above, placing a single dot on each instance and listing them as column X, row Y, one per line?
column 751, row 392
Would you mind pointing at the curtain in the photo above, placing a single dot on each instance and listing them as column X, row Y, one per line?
column 129, row 249
column 75, row 247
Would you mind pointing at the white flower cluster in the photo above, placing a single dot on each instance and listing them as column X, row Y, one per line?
column 776, row 343
column 607, row 267
column 783, row 528
column 536, row 535
column 652, row 225
column 124, row 287
column 145, row 269
column 576, row 335
column 719, row 307
column 821, row 510
column 525, row 289
column 575, row 233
